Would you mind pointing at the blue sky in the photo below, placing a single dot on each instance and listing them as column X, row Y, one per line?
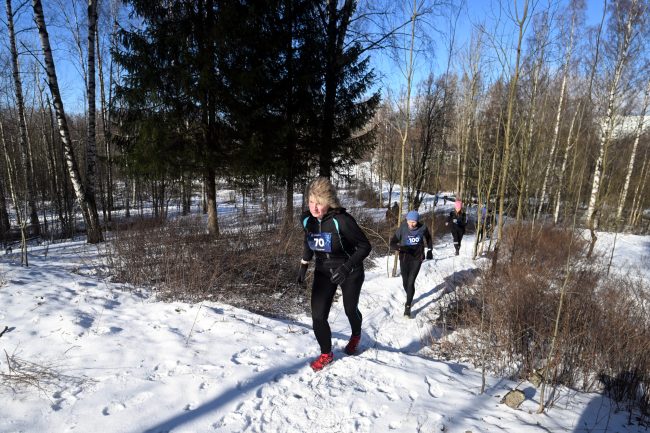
column 392, row 75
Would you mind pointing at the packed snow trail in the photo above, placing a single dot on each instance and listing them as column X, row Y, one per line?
column 109, row 360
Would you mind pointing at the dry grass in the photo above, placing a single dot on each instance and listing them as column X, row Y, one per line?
column 508, row 318
column 244, row 267
column 22, row 374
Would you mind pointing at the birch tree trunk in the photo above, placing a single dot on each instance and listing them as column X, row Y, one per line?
column 567, row 149
column 525, row 151
column 5, row 224
column 23, row 144
column 20, row 215
column 407, row 122
column 606, row 129
column 556, row 129
column 630, row 166
column 88, row 209
column 503, row 175
column 105, row 122
column 10, row 175
column 479, row 198
column 55, row 190
column 637, row 203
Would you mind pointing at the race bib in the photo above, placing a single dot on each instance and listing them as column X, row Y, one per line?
column 320, row 242
column 412, row 240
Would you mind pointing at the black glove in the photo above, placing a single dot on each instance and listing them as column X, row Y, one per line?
column 341, row 273
column 302, row 273
column 429, row 255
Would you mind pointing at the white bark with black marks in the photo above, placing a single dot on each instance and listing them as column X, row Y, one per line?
column 88, row 209
column 27, row 177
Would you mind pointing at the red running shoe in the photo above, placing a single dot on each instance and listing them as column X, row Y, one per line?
column 322, row 361
column 351, row 348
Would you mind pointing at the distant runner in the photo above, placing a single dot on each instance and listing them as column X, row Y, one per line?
column 458, row 220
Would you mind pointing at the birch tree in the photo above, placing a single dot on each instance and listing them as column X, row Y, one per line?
column 637, row 203
column 521, row 23
column 404, row 129
column 550, row 164
column 570, row 143
column 627, row 20
column 27, row 177
column 4, row 215
column 540, row 40
column 88, row 207
column 635, row 145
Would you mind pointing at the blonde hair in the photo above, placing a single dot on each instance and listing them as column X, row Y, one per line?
column 324, row 192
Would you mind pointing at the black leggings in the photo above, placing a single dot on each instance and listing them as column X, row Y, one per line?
column 457, row 233
column 409, row 270
column 322, row 296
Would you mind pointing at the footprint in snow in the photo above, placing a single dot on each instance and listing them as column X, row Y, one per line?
column 431, row 423
column 389, row 392
column 255, row 357
column 139, row 398
column 112, row 408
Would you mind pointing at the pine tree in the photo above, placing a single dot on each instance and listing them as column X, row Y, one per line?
column 346, row 81
column 271, row 69
column 169, row 100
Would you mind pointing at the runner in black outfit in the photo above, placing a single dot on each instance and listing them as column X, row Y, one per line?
column 409, row 240
column 333, row 236
column 458, row 220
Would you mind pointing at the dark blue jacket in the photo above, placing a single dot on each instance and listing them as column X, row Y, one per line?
column 410, row 243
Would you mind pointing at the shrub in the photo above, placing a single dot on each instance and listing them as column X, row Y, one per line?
column 253, row 265
column 244, row 267
column 508, row 317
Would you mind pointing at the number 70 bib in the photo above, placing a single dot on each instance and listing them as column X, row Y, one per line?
column 320, row 242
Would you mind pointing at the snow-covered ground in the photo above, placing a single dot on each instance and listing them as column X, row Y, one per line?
column 116, row 360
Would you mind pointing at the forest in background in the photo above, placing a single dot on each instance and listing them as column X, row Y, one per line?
column 534, row 112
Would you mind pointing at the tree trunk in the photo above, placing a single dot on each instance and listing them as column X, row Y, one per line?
column 637, row 203
column 407, row 121
column 630, row 166
column 525, row 151
column 89, row 210
column 558, row 117
column 211, row 198
column 6, row 223
column 91, row 143
column 18, row 87
column 606, row 130
column 58, row 180
column 4, row 215
column 289, row 210
column 105, row 122
column 336, row 31
column 567, row 149
column 503, row 176
column 11, row 176
column 479, row 198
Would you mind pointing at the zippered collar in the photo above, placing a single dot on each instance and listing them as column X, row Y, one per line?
column 331, row 213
